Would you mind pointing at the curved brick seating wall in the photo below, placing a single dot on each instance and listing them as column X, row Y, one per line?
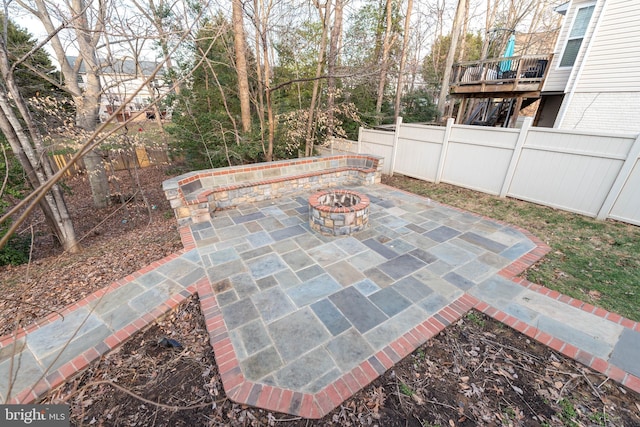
column 195, row 194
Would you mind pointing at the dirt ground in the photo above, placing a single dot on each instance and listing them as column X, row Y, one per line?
column 475, row 373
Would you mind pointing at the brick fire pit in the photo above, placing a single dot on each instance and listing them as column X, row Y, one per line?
column 338, row 212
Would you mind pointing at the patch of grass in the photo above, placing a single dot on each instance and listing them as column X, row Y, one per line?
column 590, row 260
column 474, row 317
column 406, row 390
column 568, row 414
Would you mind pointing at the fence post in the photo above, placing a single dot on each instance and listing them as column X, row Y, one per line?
column 359, row 147
column 515, row 157
column 445, row 148
column 621, row 179
column 394, row 148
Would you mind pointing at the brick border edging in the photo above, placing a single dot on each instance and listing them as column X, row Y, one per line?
column 53, row 379
column 307, row 405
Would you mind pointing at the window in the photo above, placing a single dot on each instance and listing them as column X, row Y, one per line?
column 578, row 30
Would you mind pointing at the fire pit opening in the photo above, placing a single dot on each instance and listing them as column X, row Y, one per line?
column 338, row 212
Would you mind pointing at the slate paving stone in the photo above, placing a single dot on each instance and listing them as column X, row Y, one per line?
column 452, row 255
column 254, row 337
column 519, row 249
column 287, row 232
column 389, row 301
column 287, row 278
column 493, row 260
column 326, row 254
column 265, row 265
column 401, row 266
column 497, row 288
column 389, row 331
column 349, row 349
column 383, row 250
column 330, row 316
column 119, row 317
column 223, row 271
column 364, row 260
column 474, row 272
column 116, row 297
column 308, row 368
column 412, row 288
column 48, row 338
column 484, row 242
column 344, row 273
column 378, row 277
column 298, row 260
column 326, row 379
column 261, row 364
column 361, row 312
column 227, row 298
column 350, row 245
column 573, row 336
column 267, row 282
column 433, row 303
column 176, row 268
column 259, row 239
column 400, row 246
column 458, row 280
column 238, row 313
column 77, row 346
column 232, row 232
column 193, row 277
column 310, row 272
column 312, row 290
column 297, row 333
column 272, row 304
column 423, row 255
column 255, row 253
column 248, row 217
column 150, row 279
column 27, row 368
column 244, row 285
column 366, row 287
column 625, row 353
column 285, row 246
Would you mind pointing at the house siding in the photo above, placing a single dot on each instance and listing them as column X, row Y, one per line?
column 558, row 78
column 613, row 61
column 610, row 111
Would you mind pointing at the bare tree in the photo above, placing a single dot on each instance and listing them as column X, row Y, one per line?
column 26, row 142
column 386, row 52
column 334, row 47
column 403, row 58
column 455, row 35
column 87, row 24
column 241, row 65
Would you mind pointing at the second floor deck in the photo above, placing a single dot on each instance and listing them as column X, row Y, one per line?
column 500, row 77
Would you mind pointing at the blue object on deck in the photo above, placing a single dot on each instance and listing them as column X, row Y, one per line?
column 508, row 52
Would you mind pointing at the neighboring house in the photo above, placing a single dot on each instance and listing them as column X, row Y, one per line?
column 593, row 81
column 120, row 79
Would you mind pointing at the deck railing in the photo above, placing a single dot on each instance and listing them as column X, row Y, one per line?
column 525, row 69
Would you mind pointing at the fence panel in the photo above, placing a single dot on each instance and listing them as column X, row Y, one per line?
column 627, row 205
column 591, row 173
column 569, row 170
column 419, row 150
column 478, row 157
column 378, row 143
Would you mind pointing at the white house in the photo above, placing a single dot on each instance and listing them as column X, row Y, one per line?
column 120, row 79
column 594, row 78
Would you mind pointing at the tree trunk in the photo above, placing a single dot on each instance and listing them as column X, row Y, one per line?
column 87, row 100
column 403, row 59
column 29, row 149
column 241, row 65
column 334, row 47
column 384, row 65
column 308, row 151
column 455, row 34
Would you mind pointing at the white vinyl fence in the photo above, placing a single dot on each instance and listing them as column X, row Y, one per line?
column 594, row 174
